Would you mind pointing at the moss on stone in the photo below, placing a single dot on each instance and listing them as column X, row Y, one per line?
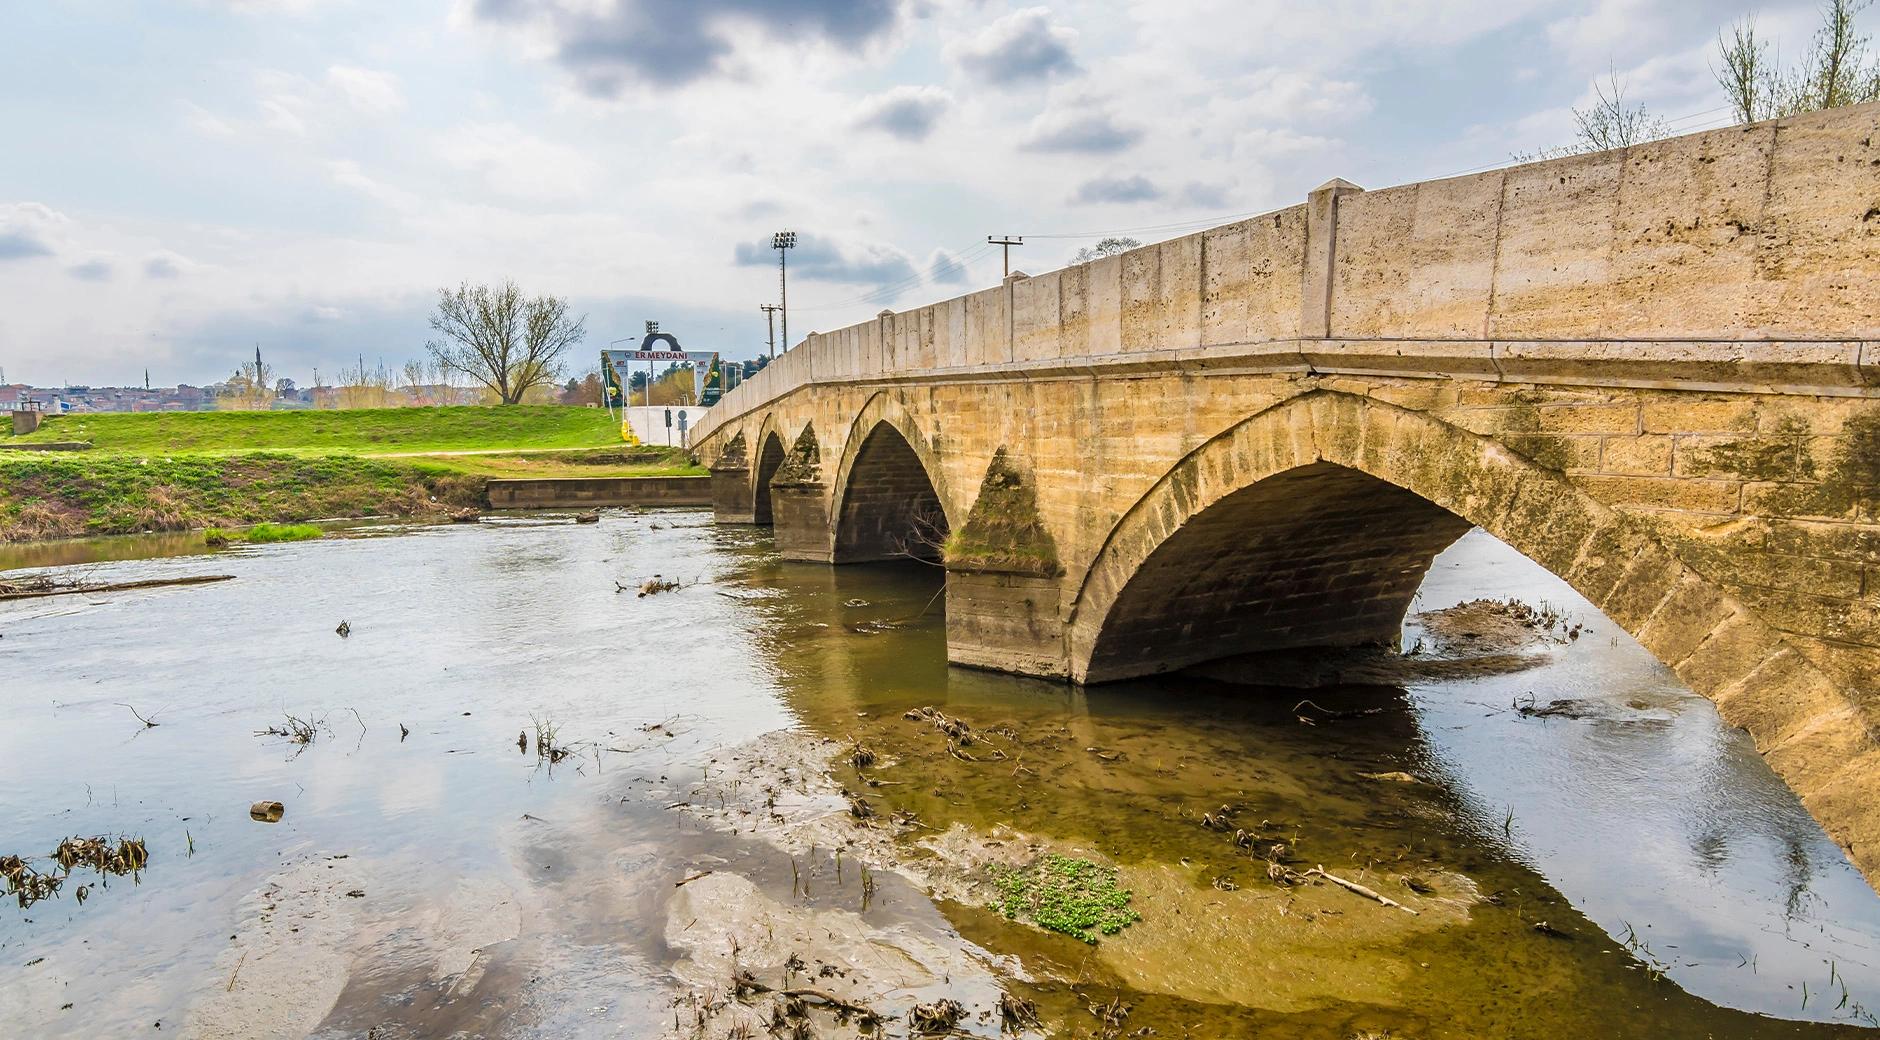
column 1782, row 455
column 1850, row 486
column 1543, row 450
column 733, row 455
column 804, row 463
column 1003, row 531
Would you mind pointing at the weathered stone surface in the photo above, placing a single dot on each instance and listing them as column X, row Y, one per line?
column 1653, row 372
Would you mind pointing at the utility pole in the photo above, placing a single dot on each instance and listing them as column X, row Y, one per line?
column 1007, row 242
column 652, row 328
column 770, row 323
column 781, row 242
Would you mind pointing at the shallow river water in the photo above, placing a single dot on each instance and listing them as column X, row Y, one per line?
column 1630, row 871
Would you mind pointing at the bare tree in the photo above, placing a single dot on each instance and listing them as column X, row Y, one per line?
column 251, row 388
column 1605, row 124
column 1837, row 71
column 499, row 338
column 1107, row 247
column 362, row 387
column 1748, row 78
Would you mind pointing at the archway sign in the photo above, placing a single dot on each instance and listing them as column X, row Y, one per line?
column 655, row 348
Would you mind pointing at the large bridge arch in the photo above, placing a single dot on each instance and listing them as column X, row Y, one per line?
column 1417, row 483
column 890, row 494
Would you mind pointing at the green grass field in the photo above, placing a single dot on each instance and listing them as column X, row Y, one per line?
column 172, row 471
column 365, row 431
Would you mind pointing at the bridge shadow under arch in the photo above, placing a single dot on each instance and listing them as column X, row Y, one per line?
column 770, row 455
column 891, row 498
column 887, row 507
column 1313, row 523
column 1320, row 555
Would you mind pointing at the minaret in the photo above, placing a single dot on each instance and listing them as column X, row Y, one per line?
column 146, row 379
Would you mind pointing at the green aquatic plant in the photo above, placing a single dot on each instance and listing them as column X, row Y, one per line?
column 282, row 533
column 1063, row 894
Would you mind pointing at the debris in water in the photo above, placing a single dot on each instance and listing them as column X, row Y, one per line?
column 588, row 518
column 1017, row 1014
column 937, row 1018
column 861, row 757
column 34, row 588
column 295, row 729
column 1111, row 1014
column 267, row 812
column 28, row 885
column 1327, row 714
column 1354, row 887
column 402, row 733
column 1396, row 777
column 344, row 629
column 1565, row 708
column 656, row 585
column 148, row 723
column 465, row 516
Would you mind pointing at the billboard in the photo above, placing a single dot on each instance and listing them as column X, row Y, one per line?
column 657, row 350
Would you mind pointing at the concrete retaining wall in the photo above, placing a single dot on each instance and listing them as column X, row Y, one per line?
column 572, row 492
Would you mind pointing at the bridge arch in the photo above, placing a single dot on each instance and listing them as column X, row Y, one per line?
column 767, row 454
column 890, row 493
column 1267, row 497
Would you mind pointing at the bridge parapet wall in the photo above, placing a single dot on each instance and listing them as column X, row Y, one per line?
column 1667, row 262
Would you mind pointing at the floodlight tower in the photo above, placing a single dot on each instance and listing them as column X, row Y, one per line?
column 783, row 241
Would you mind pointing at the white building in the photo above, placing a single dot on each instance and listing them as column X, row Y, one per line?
column 663, row 425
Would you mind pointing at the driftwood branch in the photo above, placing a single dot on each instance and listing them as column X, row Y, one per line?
column 36, row 592
column 1353, row 886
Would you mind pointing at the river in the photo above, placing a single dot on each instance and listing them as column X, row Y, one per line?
column 1628, row 868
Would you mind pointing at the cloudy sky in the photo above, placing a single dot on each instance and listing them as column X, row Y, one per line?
column 183, row 179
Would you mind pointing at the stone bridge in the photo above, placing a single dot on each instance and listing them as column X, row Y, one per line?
column 1655, row 372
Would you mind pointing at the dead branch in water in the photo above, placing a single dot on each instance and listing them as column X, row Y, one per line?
column 37, row 589
column 1353, row 886
column 1329, row 715
column 148, row 723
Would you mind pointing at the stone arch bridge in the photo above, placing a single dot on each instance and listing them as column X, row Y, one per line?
column 1654, row 371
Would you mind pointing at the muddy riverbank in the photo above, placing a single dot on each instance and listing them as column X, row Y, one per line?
column 771, row 796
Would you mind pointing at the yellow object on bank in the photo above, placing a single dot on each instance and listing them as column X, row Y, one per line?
column 626, row 432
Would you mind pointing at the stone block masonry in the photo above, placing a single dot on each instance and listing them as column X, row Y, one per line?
column 1655, row 372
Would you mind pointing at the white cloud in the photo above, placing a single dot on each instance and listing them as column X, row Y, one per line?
column 366, row 89
column 205, row 122
column 587, row 158
column 519, row 165
column 1024, row 46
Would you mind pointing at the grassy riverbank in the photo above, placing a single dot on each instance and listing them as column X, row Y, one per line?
column 369, row 431
column 183, row 470
column 61, row 495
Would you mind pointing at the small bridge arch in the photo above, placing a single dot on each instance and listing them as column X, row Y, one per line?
column 890, row 498
column 768, row 453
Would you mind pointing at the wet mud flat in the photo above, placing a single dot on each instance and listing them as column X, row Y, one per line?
column 1294, row 869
